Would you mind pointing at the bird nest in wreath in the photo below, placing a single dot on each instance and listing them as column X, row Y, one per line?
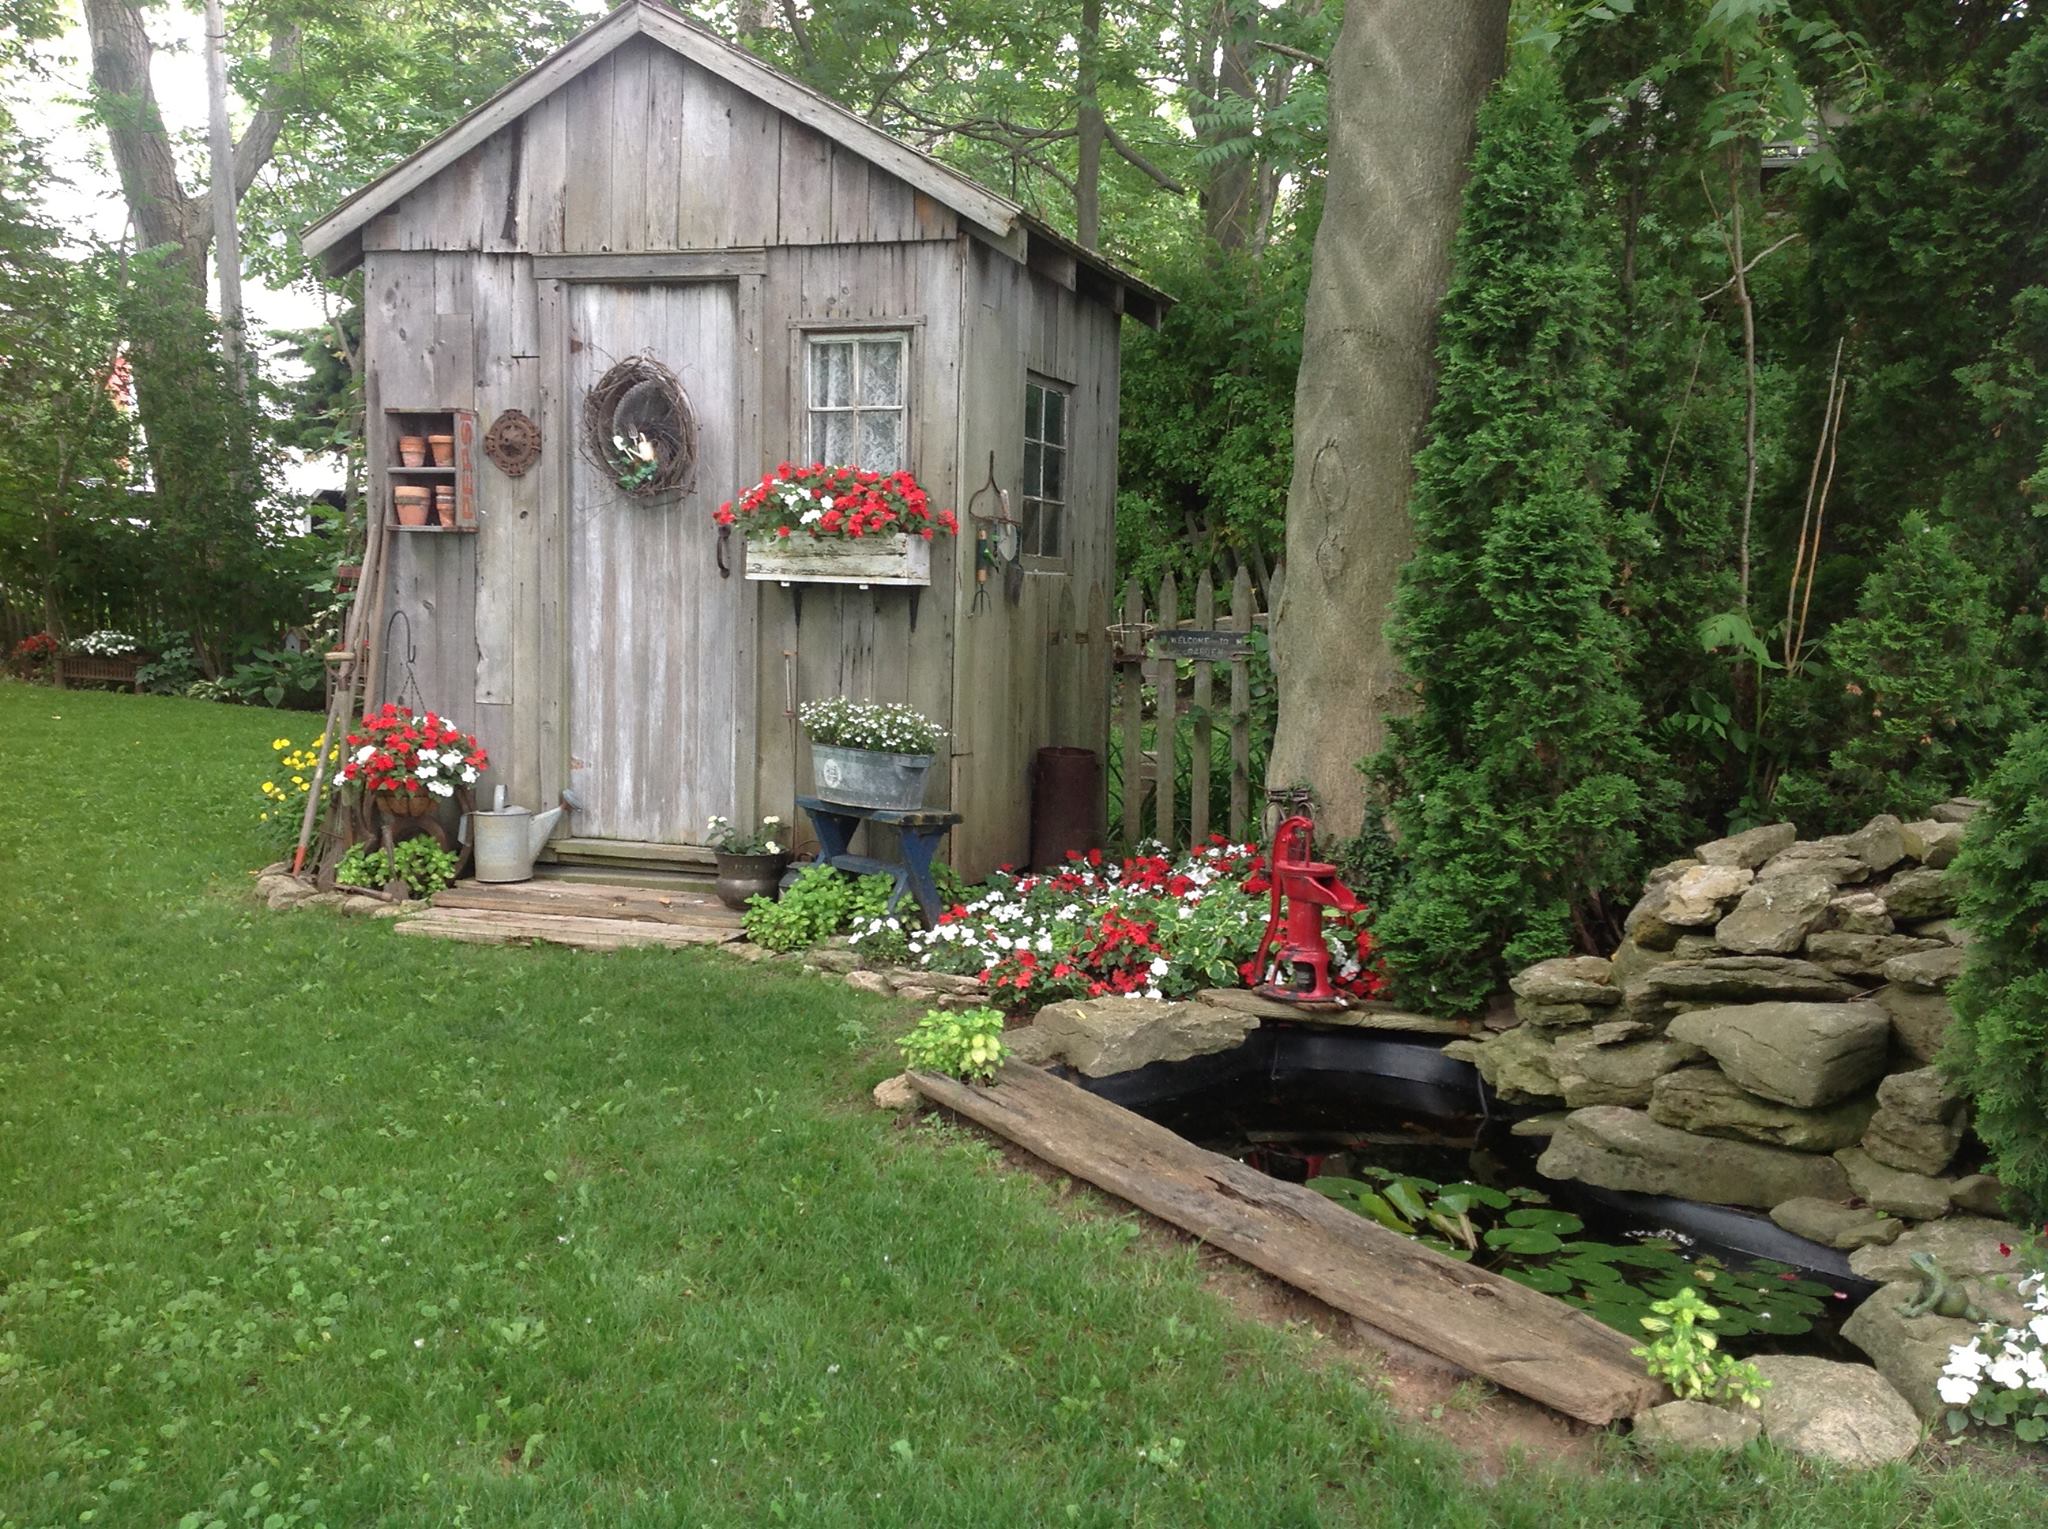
column 638, row 429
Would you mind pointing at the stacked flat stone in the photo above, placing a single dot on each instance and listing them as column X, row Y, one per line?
column 1762, row 1036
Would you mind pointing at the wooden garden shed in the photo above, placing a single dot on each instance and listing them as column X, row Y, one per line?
column 818, row 290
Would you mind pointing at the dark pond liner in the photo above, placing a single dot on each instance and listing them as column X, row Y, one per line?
column 1386, row 1074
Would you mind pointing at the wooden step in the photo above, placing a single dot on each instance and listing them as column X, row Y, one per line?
column 659, row 905
column 1509, row 1334
column 483, row 926
column 665, row 878
column 682, row 857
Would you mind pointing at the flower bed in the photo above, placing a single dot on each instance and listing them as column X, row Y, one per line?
column 1147, row 927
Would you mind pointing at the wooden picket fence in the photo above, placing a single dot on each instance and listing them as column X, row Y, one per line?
column 1148, row 649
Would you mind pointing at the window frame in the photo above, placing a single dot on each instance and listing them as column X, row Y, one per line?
column 807, row 334
column 1036, row 560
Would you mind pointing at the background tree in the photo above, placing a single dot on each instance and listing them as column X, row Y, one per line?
column 1407, row 79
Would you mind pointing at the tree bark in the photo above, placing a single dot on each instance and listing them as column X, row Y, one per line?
column 227, row 233
column 1093, row 131
column 1406, row 79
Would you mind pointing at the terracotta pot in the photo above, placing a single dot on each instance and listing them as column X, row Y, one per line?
column 444, row 506
column 443, row 448
column 412, row 450
column 411, row 504
column 743, row 876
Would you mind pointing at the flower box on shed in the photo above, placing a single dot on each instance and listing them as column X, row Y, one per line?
column 898, row 558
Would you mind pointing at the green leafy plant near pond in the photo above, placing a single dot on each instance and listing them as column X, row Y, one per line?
column 966, row 1045
column 422, row 864
column 1518, row 1234
column 1685, row 1354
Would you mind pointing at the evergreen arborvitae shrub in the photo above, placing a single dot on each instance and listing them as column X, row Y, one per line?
column 1998, row 1048
column 1519, row 783
column 1921, row 703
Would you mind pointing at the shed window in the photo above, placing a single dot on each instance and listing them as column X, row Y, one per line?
column 1046, row 407
column 857, row 400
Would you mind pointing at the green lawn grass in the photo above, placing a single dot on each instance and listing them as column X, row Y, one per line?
column 303, row 1223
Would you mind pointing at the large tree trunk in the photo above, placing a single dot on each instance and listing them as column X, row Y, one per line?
column 1406, row 80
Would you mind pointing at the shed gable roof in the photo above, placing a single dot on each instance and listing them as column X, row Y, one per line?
column 999, row 221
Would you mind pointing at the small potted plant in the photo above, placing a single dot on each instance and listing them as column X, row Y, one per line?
column 406, row 764
column 749, row 865
column 837, row 525
column 870, row 753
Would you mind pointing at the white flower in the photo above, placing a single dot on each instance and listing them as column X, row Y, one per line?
column 425, row 771
column 440, row 788
column 773, row 848
column 468, row 776
column 1955, row 1390
column 825, row 503
column 364, row 753
column 1160, row 967
column 771, row 821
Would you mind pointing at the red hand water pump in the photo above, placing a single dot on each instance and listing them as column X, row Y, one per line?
column 1302, row 888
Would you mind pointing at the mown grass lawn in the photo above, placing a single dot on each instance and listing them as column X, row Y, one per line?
column 302, row 1223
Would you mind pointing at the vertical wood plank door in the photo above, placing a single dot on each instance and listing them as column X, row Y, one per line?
column 652, row 629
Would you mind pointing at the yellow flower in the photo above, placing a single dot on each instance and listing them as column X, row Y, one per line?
column 281, row 743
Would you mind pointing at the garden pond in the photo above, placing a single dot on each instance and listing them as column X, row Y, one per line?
column 1395, row 1131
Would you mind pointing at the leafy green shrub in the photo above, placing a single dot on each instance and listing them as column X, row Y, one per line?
column 820, row 903
column 964, row 1045
column 1686, row 1356
column 1520, row 783
column 1998, row 1047
column 422, row 864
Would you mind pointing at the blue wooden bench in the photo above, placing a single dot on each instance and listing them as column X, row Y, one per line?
column 918, row 831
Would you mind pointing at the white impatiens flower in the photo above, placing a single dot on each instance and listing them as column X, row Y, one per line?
column 771, row 848
column 440, row 788
column 425, row 770
column 468, row 775
column 364, row 754
column 1956, row 1390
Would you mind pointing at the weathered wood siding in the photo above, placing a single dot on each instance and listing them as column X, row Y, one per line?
column 1036, row 673
column 648, row 151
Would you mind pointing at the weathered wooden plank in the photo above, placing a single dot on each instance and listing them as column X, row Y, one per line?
column 544, row 174
column 661, row 139
column 588, row 202
column 631, row 69
column 590, row 900
column 849, row 196
column 546, row 691
column 1132, row 708
column 1507, row 1333
column 476, row 926
column 804, row 188
column 1204, row 699
column 1240, row 710
column 643, row 266
column 1165, row 684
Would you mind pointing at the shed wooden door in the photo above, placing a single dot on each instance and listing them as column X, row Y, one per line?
column 653, row 631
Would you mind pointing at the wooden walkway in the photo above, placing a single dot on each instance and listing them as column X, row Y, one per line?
column 583, row 915
column 1509, row 1334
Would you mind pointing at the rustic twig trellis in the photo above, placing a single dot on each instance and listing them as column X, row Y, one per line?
column 639, row 397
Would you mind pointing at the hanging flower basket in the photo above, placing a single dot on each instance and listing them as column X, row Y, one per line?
column 837, row 525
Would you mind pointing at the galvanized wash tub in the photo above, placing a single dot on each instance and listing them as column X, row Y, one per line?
column 869, row 778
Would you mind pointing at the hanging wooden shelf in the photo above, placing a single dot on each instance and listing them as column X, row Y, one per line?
column 457, row 424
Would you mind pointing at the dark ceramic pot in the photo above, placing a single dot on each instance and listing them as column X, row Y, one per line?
column 743, row 876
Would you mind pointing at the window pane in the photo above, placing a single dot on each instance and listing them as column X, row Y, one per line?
column 881, row 440
column 1028, row 538
column 881, row 371
column 831, row 374
column 1034, row 397
column 832, row 438
column 1033, row 469
column 1054, row 483
column 1050, row 519
column 1055, row 418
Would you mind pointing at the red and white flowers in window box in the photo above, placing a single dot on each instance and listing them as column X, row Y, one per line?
column 837, row 525
column 408, row 759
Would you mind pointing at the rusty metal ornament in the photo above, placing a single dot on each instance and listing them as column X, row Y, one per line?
column 513, row 442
